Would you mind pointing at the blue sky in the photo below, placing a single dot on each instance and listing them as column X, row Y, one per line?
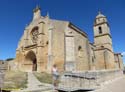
column 15, row 14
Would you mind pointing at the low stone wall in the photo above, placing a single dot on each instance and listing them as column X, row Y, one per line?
column 106, row 75
column 88, row 79
column 2, row 73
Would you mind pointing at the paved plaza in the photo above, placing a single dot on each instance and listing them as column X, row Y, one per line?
column 117, row 85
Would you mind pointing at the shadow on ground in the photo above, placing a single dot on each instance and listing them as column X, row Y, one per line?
column 79, row 91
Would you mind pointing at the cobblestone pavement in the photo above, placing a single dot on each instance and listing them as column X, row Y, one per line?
column 117, row 85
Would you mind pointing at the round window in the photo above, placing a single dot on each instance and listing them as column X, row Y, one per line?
column 34, row 34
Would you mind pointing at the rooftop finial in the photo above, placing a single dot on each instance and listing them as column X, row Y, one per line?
column 99, row 12
column 37, row 8
column 37, row 13
column 47, row 14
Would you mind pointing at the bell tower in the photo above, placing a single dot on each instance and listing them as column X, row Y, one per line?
column 102, row 36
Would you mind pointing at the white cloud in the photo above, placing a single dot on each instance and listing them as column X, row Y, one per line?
column 123, row 53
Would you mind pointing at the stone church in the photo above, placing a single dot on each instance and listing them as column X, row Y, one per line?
column 48, row 41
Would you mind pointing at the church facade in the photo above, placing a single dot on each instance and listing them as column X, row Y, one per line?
column 47, row 41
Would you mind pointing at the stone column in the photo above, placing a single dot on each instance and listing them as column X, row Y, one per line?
column 50, row 55
column 26, row 37
column 106, row 65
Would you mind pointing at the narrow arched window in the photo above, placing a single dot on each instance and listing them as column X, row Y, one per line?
column 93, row 60
column 80, row 51
column 47, row 43
column 100, row 30
column 79, row 48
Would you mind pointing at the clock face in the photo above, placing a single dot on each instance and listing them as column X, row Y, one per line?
column 34, row 34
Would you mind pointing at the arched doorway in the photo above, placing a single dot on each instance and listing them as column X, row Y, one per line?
column 31, row 61
column 34, row 68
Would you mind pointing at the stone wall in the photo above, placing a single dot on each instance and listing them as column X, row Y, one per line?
column 118, row 61
column 3, row 68
column 104, row 59
column 89, row 79
column 58, row 44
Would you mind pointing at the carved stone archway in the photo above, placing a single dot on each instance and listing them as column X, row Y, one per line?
column 31, row 61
